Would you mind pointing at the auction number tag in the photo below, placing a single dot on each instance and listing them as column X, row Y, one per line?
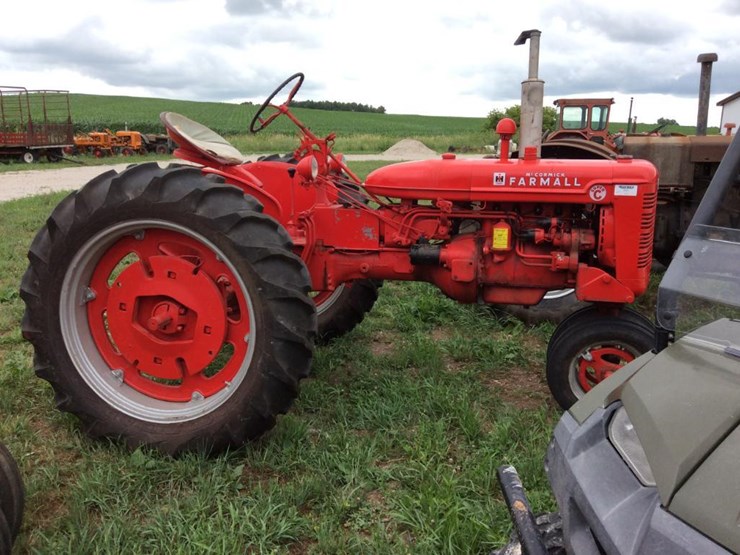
column 625, row 190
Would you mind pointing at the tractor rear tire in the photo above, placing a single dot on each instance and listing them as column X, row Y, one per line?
column 166, row 310
column 11, row 492
column 590, row 345
column 340, row 311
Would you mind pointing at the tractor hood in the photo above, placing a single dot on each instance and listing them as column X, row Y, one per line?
column 491, row 179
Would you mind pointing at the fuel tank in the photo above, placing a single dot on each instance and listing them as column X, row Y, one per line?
column 523, row 180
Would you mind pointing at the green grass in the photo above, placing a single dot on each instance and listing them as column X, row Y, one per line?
column 391, row 446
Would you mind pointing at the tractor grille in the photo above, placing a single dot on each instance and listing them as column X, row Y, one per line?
column 647, row 230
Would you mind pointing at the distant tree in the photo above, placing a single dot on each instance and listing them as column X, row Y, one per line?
column 549, row 117
column 666, row 121
column 337, row 106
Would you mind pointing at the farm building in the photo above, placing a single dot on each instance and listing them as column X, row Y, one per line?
column 730, row 112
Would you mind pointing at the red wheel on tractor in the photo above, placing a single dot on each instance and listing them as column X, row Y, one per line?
column 182, row 319
column 589, row 346
column 98, row 152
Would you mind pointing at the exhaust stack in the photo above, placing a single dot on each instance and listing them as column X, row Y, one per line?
column 533, row 94
column 706, row 61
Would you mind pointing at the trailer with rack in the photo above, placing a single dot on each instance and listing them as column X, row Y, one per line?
column 34, row 124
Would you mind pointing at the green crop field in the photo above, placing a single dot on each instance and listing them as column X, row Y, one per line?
column 360, row 131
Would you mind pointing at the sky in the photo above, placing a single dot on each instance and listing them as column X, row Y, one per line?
column 447, row 58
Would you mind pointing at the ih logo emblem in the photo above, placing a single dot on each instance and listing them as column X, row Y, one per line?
column 499, row 179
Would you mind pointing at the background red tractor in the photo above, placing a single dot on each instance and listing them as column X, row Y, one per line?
column 178, row 307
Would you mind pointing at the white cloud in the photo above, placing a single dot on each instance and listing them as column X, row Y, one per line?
column 415, row 56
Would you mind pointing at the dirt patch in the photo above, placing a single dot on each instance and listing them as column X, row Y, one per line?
column 525, row 389
column 410, row 149
column 381, row 344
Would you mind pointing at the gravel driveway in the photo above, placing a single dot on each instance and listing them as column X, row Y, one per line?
column 37, row 182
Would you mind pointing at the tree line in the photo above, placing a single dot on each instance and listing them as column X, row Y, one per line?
column 337, row 106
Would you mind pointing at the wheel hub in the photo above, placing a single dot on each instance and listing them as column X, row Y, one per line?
column 597, row 364
column 166, row 319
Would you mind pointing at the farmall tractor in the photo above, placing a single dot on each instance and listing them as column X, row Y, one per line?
column 178, row 307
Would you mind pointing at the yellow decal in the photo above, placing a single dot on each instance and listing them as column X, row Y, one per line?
column 500, row 238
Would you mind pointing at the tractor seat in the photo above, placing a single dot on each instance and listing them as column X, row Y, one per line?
column 191, row 135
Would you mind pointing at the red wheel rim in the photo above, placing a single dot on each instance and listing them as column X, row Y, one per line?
column 168, row 315
column 598, row 363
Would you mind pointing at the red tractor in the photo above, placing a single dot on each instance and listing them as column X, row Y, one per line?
column 178, row 307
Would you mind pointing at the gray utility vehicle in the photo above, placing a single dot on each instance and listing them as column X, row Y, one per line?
column 649, row 460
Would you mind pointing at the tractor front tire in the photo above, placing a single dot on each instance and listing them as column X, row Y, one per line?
column 166, row 310
column 589, row 345
column 344, row 308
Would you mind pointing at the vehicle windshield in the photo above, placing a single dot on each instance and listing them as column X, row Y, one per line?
column 574, row 117
column 702, row 282
column 599, row 116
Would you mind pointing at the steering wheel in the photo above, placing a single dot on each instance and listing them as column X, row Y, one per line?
column 258, row 124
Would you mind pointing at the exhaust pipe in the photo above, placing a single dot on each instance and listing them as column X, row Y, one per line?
column 706, row 61
column 533, row 94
